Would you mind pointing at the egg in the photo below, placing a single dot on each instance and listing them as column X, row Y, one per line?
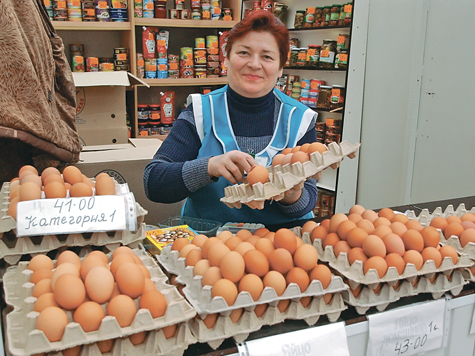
column 261, row 231
column 207, row 245
column 321, row 273
column 382, row 231
column 414, row 257
column 394, row 244
column 186, row 249
column 449, row 251
column 99, row 284
column 276, row 281
column 468, row 217
column 257, row 174
column 374, row 246
column 236, row 314
column 179, row 243
column 253, row 240
column 344, row 228
column 357, row 209
column 452, row 229
column 298, row 276
column 280, row 260
column 285, row 238
column 211, row 276
column 27, row 167
column 317, row 147
column 299, row 156
column 386, row 213
column 122, row 250
column 72, row 175
column 439, row 223
column 155, row 302
column 356, row 254
column 270, row 235
column 306, row 257
column 378, row 263
column 309, row 226
column 453, row 219
column 89, row 315
column 283, row 304
column 356, row 291
column 199, row 240
column 370, row 215
column 88, row 263
column 70, row 257
column 40, row 274
column 115, row 264
column 354, row 217
column 366, row 225
column 29, row 191
column 226, row 234
column 265, row 246
column 122, row 307
column 320, row 232
column 80, row 190
column 148, row 286
column 69, row 291
column 88, row 181
column 44, row 301
column 356, row 237
column 341, row 246
column 260, row 309
column 130, row 279
column 55, row 190
column 467, row 225
column 330, row 240
column 169, row 331
column 431, row 236
column 210, row 320
column 233, row 242
column 105, row 186
column 327, row 298
column 105, row 346
column 336, row 220
column 63, row 268
column 398, row 228
column 42, row 287
column 193, row 257
column 48, row 172
column 252, row 284
column 104, row 257
column 232, row 266
column 243, row 247
column 305, row 301
column 52, row 321
column 201, row 267
column 138, row 338
column 414, row 225
column 277, row 160
column 431, row 253
column 381, row 221
column 468, row 236
column 286, row 159
column 226, row 289
column 33, row 178
column 72, row 351
column 413, row 240
column 216, row 252
column 39, row 262
column 256, row 263
column 395, row 260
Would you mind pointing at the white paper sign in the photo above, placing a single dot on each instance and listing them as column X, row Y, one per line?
column 407, row 331
column 70, row 215
column 328, row 340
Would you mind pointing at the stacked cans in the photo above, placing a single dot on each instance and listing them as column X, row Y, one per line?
column 60, row 10
column 74, row 10
column 162, row 53
column 76, row 52
column 49, row 5
column 121, row 59
column 102, row 10
column 213, row 67
column 304, row 92
column 187, row 69
column 140, row 66
column 147, row 9
column 118, row 11
column 215, row 9
column 173, row 66
column 88, row 10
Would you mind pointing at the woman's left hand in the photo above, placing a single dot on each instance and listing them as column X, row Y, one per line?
column 292, row 195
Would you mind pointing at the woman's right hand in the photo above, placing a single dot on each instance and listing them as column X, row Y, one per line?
column 231, row 165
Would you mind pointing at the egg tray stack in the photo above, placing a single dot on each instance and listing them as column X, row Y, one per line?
column 201, row 299
column 283, row 178
column 12, row 248
column 425, row 217
column 24, row 339
column 448, row 277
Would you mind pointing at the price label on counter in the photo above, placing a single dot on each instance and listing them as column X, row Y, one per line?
column 407, row 331
column 318, row 341
column 71, row 215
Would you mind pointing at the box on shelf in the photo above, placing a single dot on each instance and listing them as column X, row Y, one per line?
column 126, row 163
column 100, row 106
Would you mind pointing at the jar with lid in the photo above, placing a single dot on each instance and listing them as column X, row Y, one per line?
column 327, row 54
column 341, row 60
column 154, row 114
column 299, row 18
column 335, row 12
column 348, row 8
column 313, row 55
column 196, row 14
column 294, row 56
column 342, row 42
column 318, row 16
column 143, row 113
column 324, row 96
column 337, row 98
column 309, row 17
column 160, row 11
column 302, row 57
column 326, row 13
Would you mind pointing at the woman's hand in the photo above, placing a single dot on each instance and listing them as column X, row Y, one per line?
column 231, row 165
column 292, row 195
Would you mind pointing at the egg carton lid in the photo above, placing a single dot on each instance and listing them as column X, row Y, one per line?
column 283, row 178
column 249, row 322
column 24, row 339
column 355, row 272
column 367, row 298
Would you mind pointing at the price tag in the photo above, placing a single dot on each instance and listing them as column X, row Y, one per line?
column 70, row 215
column 407, row 331
column 319, row 341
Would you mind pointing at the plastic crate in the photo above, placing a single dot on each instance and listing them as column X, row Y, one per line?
column 201, row 226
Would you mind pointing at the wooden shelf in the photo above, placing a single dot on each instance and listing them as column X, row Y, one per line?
column 91, row 26
column 184, row 23
column 186, row 81
column 313, row 68
column 319, row 28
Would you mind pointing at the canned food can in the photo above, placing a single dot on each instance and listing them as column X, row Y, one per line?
column 212, row 41
column 150, row 65
column 212, row 64
column 148, row 5
column 173, row 73
column 60, row 14
column 60, row 4
column 196, row 15
column 199, row 56
column 118, row 14
column 121, row 63
column 162, row 74
column 102, row 4
column 73, row 4
column 92, row 64
column 174, row 14
column 186, row 53
column 187, row 72
column 212, row 71
column 185, row 14
column 119, row 4
column 179, row 4
column 173, row 57
column 186, row 63
column 212, row 58
column 102, row 15
column 227, row 14
column 88, row 14
column 78, row 63
column 121, row 50
column 151, row 74
column 200, row 71
column 106, row 67
column 212, row 51
column 200, row 42
column 124, row 67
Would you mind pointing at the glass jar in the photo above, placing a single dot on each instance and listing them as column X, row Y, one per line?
column 160, row 11
column 335, row 12
column 302, row 57
column 341, row 60
column 196, row 14
column 309, row 17
column 299, row 18
column 154, row 114
column 318, row 16
column 143, row 113
column 294, row 56
column 327, row 54
column 326, row 13
column 337, row 98
column 313, row 55
column 324, row 96
column 342, row 42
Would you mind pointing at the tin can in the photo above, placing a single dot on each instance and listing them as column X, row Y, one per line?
column 92, row 64
column 212, row 58
column 106, row 67
column 212, row 71
column 60, row 14
column 102, row 4
column 173, row 57
column 121, row 63
column 173, row 73
column 187, row 72
column 60, row 4
column 173, row 66
column 213, row 64
column 200, row 71
column 186, row 53
column 140, row 66
column 147, row 14
column 73, row 4
column 78, row 63
column 215, row 13
column 124, row 67
column 205, row 10
column 148, row 5
column 200, row 42
column 118, row 14
column 212, row 41
column 150, row 68
column 174, row 14
column 227, row 14
column 213, row 51
column 185, row 14
column 121, row 50
column 186, row 63
column 138, row 8
column 199, row 55
column 196, row 15
column 102, row 15
column 119, row 4
column 162, row 74
column 88, row 14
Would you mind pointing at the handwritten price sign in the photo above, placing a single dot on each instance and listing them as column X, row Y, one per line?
column 70, row 215
column 407, row 331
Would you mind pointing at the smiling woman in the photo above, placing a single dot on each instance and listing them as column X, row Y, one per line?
column 221, row 135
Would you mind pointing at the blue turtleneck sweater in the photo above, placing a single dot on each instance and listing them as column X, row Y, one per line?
column 175, row 172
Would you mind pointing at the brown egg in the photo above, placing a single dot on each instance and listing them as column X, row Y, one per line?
column 256, row 263
column 305, row 301
column 39, row 262
column 382, row 231
column 260, row 309
column 468, row 217
column 186, row 249
column 88, row 181
column 122, row 307
column 414, row 257
column 42, row 287
column 453, row 229
column 211, row 276
column 193, row 257
column 431, row 236
column 344, row 228
column 12, row 207
column 33, row 178
column 89, row 315
column 44, row 301
column 233, row 242
column 236, row 314
column 356, row 237
column 155, row 302
column 413, row 240
column 99, row 284
column 285, row 238
column 49, row 171
column 305, row 147
column 14, row 193
column 55, row 190
column 252, row 284
column 356, row 291
column 169, row 331
column 226, row 234
column 276, row 281
column 121, row 250
column 70, row 257
column 325, row 223
column 27, row 167
column 265, row 246
column 199, row 240
column 320, row 232
column 295, row 149
column 431, row 253
column 309, row 226
column 381, row 221
column 374, row 246
column 243, row 247
column 321, row 273
column 398, row 228
column 317, row 147
column 104, row 257
column 299, row 156
column 201, row 267
column 286, row 159
column 439, row 223
column 277, row 160
column 138, row 338
column 72, row 351
column 298, row 276
column 356, row 254
column 210, row 320
column 336, row 220
column 226, row 289
column 118, row 261
column 40, row 274
column 330, row 240
column 29, row 191
column 370, row 215
column 387, row 213
column 394, row 244
column 449, row 251
column 80, row 190
column 63, row 268
column 401, row 218
column 287, row 150
column 467, row 236
column 216, row 252
column 130, row 279
column 414, row 225
column 453, row 219
column 52, row 321
column 270, row 235
column 69, row 291
column 357, row 209
column 467, row 225
column 105, row 186
column 232, row 266
column 354, row 217
column 378, row 263
column 179, row 243
column 283, row 304
column 261, row 231
column 341, row 246
column 72, row 175
column 257, row 174
column 148, row 286
column 306, row 257
column 105, row 346
column 395, row 260
column 281, row 260
column 366, row 225
column 207, row 244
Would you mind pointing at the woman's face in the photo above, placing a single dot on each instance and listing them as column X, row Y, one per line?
column 253, row 64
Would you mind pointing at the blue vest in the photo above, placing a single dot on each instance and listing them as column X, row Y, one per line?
column 214, row 128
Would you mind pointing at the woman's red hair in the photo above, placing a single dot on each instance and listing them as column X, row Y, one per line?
column 261, row 21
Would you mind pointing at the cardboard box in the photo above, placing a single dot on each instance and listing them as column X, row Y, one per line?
column 101, row 110
column 126, row 163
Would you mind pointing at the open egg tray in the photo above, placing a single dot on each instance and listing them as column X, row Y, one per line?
column 355, row 273
column 387, row 294
column 249, row 322
column 283, row 178
column 201, row 299
column 24, row 339
column 13, row 247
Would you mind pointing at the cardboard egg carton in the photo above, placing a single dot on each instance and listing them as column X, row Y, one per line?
column 249, row 322
column 468, row 275
column 367, row 298
column 13, row 247
column 24, row 339
column 356, row 274
column 200, row 296
column 283, row 178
